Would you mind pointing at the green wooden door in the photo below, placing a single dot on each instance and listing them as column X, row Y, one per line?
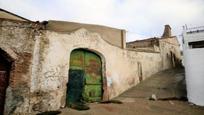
column 88, row 65
column 93, row 77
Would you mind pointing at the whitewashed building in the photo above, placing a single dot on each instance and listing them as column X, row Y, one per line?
column 193, row 48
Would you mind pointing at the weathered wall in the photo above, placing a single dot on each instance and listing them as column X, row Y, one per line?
column 168, row 45
column 151, row 44
column 121, row 67
column 112, row 35
column 39, row 74
column 143, row 43
column 17, row 41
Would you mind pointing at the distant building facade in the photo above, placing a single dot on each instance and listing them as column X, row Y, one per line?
column 43, row 63
column 168, row 47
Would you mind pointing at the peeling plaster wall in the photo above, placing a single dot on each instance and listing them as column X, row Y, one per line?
column 121, row 67
column 16, row 40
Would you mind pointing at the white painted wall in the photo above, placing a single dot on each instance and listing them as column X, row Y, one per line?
column 194, row 68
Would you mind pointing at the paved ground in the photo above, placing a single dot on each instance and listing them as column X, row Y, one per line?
column 168, row 87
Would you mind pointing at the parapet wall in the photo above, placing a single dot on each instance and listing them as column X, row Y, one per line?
column 113, row 36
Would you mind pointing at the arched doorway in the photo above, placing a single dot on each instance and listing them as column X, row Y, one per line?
column 85, row 77
column 5, row 66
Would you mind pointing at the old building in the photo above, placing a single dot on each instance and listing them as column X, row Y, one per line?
column 168, row 47
column 44, row 64
column 193, row 49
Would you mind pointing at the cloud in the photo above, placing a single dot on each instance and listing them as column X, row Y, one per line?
column 141, row 18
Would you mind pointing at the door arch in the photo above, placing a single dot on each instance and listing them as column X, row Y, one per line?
column 5, row 66
column 85, row 77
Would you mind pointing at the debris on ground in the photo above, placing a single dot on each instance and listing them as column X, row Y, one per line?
column 172, row 103
column 153, row 97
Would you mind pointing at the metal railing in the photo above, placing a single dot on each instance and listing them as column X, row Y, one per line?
column 193, row 29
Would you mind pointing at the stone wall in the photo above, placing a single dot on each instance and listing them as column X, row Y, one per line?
column 17, row 41
column 151, row 44
column 147, row 43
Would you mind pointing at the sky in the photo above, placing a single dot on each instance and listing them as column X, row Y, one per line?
column 140, row 18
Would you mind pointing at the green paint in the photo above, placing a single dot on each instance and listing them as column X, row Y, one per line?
column 90, row 63
column 92, row 93
column 77, row 60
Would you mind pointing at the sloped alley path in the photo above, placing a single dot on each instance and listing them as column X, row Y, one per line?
column 165, row 85
column 168, row 87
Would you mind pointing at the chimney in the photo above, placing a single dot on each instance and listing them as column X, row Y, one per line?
column 167, row 32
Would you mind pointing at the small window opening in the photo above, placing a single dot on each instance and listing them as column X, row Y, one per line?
column 197, row 44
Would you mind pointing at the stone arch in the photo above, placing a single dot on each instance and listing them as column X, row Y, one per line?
column 102, row 58
column 9, row 54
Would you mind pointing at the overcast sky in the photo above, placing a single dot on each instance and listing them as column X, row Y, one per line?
column 141, row 18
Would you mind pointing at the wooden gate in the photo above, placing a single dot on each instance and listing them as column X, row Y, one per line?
column 85, row 77
column 3, row 86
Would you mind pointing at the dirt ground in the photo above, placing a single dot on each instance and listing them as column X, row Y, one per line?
column 167, row 87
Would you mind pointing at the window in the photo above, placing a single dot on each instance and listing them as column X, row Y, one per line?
column 196, row 44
